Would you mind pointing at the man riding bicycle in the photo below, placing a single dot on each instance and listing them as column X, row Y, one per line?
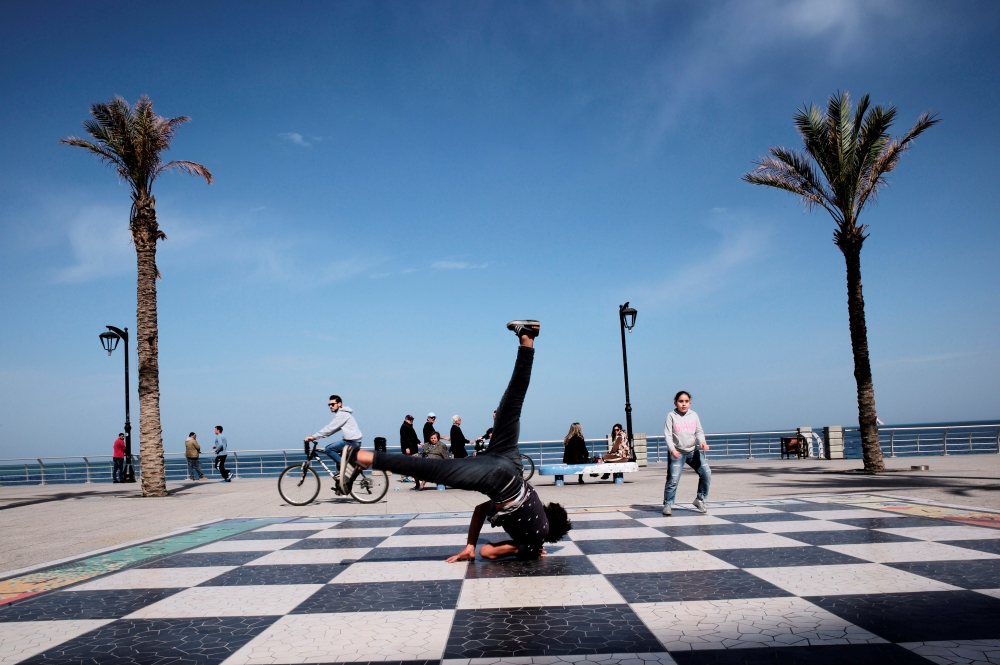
column 343, row 422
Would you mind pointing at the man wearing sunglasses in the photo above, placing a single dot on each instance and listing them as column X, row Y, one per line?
column 343, row 422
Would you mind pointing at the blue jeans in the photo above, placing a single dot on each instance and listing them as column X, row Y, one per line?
column 194, row 468
column 696, row 460
column 334, row 449
column 118, row 470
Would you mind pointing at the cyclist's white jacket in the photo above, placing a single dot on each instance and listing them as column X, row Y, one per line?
column 343, row 422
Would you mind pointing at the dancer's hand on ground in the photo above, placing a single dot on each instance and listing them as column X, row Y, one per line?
column 467, row 554
column 542, row 555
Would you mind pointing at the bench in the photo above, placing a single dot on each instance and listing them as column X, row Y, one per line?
column 560, row 470
column 794, row 445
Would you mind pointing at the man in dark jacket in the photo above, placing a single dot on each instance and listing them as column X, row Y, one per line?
column 409, row 442
column 429, row 427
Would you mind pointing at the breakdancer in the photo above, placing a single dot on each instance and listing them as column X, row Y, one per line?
column 513, row 504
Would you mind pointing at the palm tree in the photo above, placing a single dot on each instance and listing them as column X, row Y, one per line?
column 854, row 153
column 131, row 140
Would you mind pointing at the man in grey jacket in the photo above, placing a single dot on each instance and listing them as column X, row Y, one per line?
column 221, row 450
column 686, row 443
column 343, row 422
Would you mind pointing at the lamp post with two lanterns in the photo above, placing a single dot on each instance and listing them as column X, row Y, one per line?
column 109, row 340
column 626, row 316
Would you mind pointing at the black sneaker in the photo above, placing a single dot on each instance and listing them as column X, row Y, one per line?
column 528, row 327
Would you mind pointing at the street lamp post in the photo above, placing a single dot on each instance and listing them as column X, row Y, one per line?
column 626, row 317
column 109, row 340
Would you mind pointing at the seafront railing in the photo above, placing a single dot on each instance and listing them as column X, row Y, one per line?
column 895, row 442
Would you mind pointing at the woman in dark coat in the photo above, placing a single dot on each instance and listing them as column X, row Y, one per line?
column 575, row 448
column 458, row 439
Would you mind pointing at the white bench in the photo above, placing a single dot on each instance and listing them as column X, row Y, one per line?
column 560, row 470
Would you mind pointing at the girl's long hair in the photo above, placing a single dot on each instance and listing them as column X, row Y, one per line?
column 574, row 430
column 620, row 429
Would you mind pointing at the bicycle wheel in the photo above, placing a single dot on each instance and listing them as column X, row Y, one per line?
column 370, row 485
column 298, row 484
column 527, row 467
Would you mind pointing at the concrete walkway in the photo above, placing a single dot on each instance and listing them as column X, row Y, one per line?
column 42, row 524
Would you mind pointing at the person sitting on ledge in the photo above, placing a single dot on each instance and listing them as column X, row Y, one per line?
column 513, row 504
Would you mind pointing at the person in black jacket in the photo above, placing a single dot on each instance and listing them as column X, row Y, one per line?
column 409, row 442
column 458, row 439
column 575, row 448
column 429, row 427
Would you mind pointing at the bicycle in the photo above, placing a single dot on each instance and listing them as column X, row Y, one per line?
column 299, row 484
column 527, row 467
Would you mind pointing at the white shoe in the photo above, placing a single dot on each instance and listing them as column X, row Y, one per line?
column 667, row 512
column 699, row 505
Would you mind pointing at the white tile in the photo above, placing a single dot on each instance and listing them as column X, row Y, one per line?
column 155, row 578
column 739, row 541
column 564, row 547
column 662, row 658
column 496, row 592
column 682, row 520
column 615, row 534
column 995, row 593
column 657, row 562
column 937, row 533
column 596, row 516
column 245, row 545
column 298, row 526
column 747, row 623
column 957, row 652
column 287, row 557
column 229, row 601
column 401, row 571
column 743, row 510
column 429, row 540
column 801, row 525
column 848, row 514
column 846, row 579
column 378, row 532
column 349, row 637
column 914, row 551
column 440, row 521
column 21, row 640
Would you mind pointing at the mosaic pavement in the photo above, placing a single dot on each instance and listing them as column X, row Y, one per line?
column 833, row 579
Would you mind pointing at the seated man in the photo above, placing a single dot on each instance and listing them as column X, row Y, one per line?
column 514, row 505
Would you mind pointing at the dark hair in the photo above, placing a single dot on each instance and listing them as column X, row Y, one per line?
column 433, row 434
column 335, row 398
column 121, row 433
column 683, row 392
column 192, row 434
column 219, row 427
column 619, row 426
column 559, row 524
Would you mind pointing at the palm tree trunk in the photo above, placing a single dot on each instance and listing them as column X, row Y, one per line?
column 145, row 233
column 862, row 367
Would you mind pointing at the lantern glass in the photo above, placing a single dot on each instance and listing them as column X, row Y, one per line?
column 628, row 318
column 109, row 341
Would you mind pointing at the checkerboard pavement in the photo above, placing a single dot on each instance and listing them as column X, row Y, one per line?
column 785, row 581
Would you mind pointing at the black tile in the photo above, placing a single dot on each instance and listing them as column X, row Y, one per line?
column 383, row 596
column 919, row 617
column 550, row 565
column 606, row 524
column 751, row 518
column 431, row 530
column 641, row 513
column 707, row 530
column 692, row 585
column 432, row 553
column 836, row 654
column 272, row 535
column 60, row 605
column 810, row 507
column 974, row 574
column 992, row 546
column 548, row 631
column 200, row 559
column 334, row 543
column 892, row 522
column 307, row 573
column 372, row 523
column 133, row 641
column 618, row 545
column 849, row 537
column 772, row 557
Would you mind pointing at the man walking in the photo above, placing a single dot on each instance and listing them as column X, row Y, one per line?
column 343, row 422
column 686, row 443
column 118, row 459
column 513, row 504
column 220, row 448
column 192, row 453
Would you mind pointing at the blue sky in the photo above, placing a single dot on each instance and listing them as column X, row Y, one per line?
column 395, row 181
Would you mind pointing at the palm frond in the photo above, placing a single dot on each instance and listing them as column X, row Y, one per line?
column 889, row 156
column 791, row 171
column 191, row 168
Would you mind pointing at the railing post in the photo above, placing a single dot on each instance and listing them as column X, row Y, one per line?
column 918, row 443
column 970, row 441
column 944, row 442
column 87, row 462
column 65, row 473
column 41, row 471
column 892, row 449
column 236, row 460
column 750, row 446
column 284, row 456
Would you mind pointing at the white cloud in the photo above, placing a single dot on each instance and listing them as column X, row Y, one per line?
column 457, row 265
column 101, row 244
column 299, row 139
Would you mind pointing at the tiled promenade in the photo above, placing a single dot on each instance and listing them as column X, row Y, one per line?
column 821, row 579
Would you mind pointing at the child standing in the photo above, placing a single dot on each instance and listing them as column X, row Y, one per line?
column 686, row 443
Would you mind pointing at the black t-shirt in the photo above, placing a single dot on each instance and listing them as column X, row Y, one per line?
column 527, row 526
column 428, row 430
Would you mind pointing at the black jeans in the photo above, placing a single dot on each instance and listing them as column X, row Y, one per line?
column 220, row 464
column 497, row 472
column 118, row 470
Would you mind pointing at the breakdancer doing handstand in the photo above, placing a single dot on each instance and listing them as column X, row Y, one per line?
column 514, row 505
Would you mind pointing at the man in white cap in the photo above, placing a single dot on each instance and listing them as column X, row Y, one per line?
column 429, row 427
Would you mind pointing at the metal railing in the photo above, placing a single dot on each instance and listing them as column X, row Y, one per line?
column 895, row 442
